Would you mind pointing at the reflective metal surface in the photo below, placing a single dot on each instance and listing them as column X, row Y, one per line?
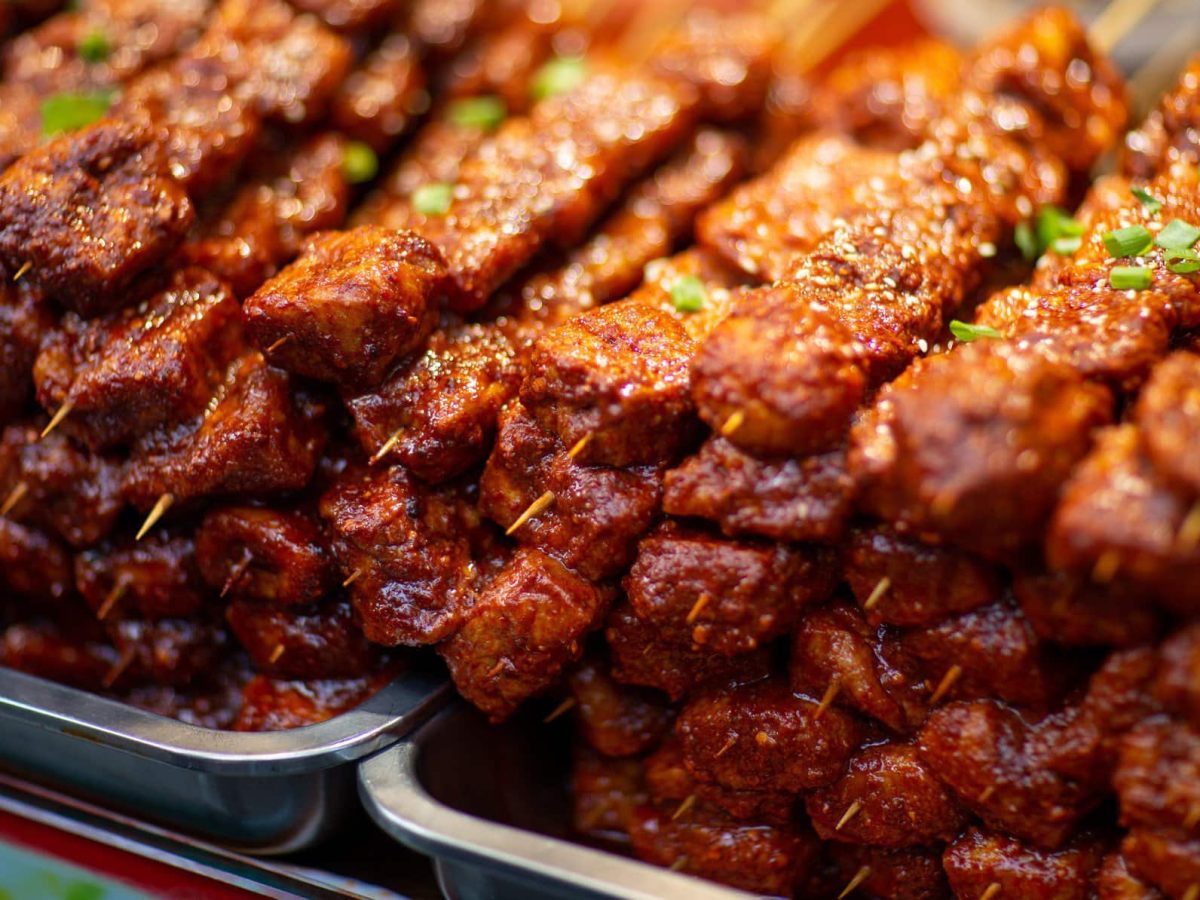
column 259, row 793
column 490, row 805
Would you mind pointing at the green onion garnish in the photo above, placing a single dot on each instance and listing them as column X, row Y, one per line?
column 1131, row 241
column 1050, row 224
column 689, row 294
column 1183, row 262
column 966, row 332
column 484, row 113
column 70, row 112
column 1151, row 204
column 1130, row 278
column 359, row 162
column 1066, row 246
column 433, row 199
column 1027, row 242
column 1178, row 235
column 559, row 75
column 94, row 47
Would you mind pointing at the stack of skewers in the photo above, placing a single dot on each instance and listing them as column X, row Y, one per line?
column 726, row 407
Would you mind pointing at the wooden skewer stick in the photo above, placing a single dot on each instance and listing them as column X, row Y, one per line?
column 496, row 669
column 835, row 685
column 580, row 445
column 851, row 811
column 986, row 794
column 237, row 572
column 353, row 577
column 535, row 508
column 1106, row 567
column 387, row 446
column 877, row 593
column 727, row 747
column 952, row 675
column 15, row 496
column 161, row 505
column 1192, row 893
column 1192, row 819
column 688, row 802
column 678, row 864
column 859, row 877
column 119, row 667
column 279, row 343
column 1188, row 535
column 276, row 654
column 110, row 600
column 25, row 267
column 1118, row 19
column 56, row 420
column 992, row 890
column 697, row 608
column 733, row 423
column 559, row 710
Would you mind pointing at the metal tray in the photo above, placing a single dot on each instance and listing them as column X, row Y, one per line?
column 490, row 805
column 265, row 793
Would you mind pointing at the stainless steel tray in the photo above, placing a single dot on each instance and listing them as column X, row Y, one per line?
column 490, row 805
column 263, row 793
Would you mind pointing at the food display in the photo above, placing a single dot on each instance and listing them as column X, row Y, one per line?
column 782, row 429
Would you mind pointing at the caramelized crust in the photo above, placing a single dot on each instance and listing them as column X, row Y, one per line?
column 90, row 211
column 614, row 719
column 774, row 741
column 807, row 499
column 156, row 363
column 265, row 555
column 316, row 643
column 526, row 628
column 437, row 414
column 901, row 802
column 151, row 579
column 726, row 596
column 979, row 859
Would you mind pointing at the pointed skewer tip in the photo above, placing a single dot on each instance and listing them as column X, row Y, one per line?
column 157, row 512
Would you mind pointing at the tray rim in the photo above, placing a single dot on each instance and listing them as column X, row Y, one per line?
column 391, row 791
column 402, row 704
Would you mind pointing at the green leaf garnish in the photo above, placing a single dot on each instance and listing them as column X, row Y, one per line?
column 1130, row 278
column 1183, row 262
column 484, row 113
column 433, row 199
column 1151, row 204
column 1178, row 235
column 559, row 75
column 1131, row 241
column 966, row 332
column 94, row 47
column 70, row 112
column 359, row 162
column 689, row 294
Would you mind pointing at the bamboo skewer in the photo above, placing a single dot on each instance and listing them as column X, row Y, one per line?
column 156, row 512
column 15, row 496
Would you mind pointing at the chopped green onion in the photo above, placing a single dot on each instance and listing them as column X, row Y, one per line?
column 689, row 294
column 359, row 163
column 1050, row 224
column 70, row 112
column 1183, row 262
column 1178, row 235
column 1027, row 242
column 966, row 332
column 1131, row 241
column 1066, row 246
column 94, row 47
column 484, row 113
column 559, row 75
column 433, row 199
column 1130, row 278
column 1151, row 204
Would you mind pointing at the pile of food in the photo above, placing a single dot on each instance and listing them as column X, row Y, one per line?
column 790, row 432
